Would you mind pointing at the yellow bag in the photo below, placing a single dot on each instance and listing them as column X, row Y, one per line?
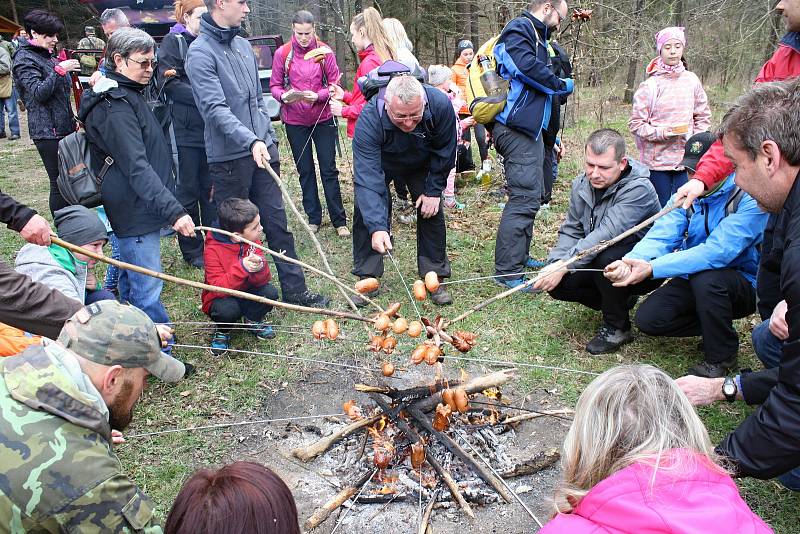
column 484, row 107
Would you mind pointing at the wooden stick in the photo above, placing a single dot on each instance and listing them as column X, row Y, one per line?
column 529, row 416
column 540, row 462
column 323, row 512
column 318, row 447
column 579, row 256
column 476, row 385
column 295, row 261
column 413, row 393
column 426, row 517
column 208, row 287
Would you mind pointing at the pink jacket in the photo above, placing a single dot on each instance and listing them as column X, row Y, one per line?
column 664, row 100
column 304, row 75
column 697, row 500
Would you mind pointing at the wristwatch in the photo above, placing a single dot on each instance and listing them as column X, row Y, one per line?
column 729, row 389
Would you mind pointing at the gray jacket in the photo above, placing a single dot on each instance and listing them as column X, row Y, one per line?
column 224, row 75
column 38, row 263
column 625, row 204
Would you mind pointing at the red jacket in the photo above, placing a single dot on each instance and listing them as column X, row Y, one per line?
column 354, row 99
column 224, row 267
column 784, row 64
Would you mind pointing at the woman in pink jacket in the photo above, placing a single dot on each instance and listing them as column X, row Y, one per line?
column 668, row 108
column 638, row 459
column 302, row 86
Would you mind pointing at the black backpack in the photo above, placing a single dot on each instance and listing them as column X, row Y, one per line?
column 76, row 180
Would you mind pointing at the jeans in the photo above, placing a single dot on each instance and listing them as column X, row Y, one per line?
column 98, row 295
column 193, row 191
column 522, row 161
column 767, row 347
column 112, row 271
column 9, row 106
column 323, row 138
column 48, row 151
column 141, row 290
column 232, row 309
column 667, row 183
column 704, row 305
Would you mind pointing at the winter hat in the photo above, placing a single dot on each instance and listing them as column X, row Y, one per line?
column 463, row 44
column 673, row 32
column 185, row 6
column 696, row 146
column 79, row 225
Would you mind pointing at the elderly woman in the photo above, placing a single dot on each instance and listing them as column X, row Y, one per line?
column 135, row 190
column 638, row 459
column 43, row 85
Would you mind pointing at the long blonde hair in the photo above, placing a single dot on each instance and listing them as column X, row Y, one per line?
column 629, row 414
column 370, row 20
column 397, row 34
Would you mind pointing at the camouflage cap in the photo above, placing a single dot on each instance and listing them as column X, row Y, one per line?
column 110, row 333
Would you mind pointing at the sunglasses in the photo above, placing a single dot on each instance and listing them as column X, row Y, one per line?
column 144, row 63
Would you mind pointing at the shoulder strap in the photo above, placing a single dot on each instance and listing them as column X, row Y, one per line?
column 183, row 49
column 288, row 51
column 734, row 199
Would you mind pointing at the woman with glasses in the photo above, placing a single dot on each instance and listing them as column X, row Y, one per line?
column 44, row 84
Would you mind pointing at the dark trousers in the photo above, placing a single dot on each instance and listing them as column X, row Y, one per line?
column 193, row 191
column 667, row 183
column 324, row 140
column 232, row 309
column 431, row 239
column 548, row 171
column 595, row 291
column 48, row 151
column 704, row 305
column 480, row 138
column 241, row 178
column 522, row 161
column 400, row 187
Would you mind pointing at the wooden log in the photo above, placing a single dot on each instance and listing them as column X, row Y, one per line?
column 540, row 462
column 426, row 517
column 529, row 416
column 323, row 512
column 318, row 447
column 408, row 394
column 475, row 385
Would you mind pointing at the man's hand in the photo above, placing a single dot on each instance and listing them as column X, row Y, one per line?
column 430, row 206
column 117, row 438
column 36, row 231
column 637, row 270
column 617, row 271
column 561, row 151
column 550, row 276
column 260, row 154
column 164, row 333
column 688, row 192
column 91, row 281
column 336, row 107
column 701, row 391
column 381, row 242
column 777, row 322
column 253, row 263
column 184, row 226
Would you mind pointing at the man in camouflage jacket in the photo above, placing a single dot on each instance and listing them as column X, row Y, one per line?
column 60, row 403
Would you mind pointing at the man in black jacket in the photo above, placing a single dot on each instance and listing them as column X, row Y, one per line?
column 135, row 190
column 410, row 133
column 759, row 138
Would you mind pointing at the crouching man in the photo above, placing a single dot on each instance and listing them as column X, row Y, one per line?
column 60, row 403
column 612, row 195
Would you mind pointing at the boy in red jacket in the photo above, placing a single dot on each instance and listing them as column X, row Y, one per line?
column 233, row 264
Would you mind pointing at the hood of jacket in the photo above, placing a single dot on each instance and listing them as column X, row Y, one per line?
column 55, row 267
column 792, row 40
column 216, row 32
column 48, row 378
column 35, row 49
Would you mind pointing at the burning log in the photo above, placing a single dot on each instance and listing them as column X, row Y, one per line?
column 476, row 385
column 318, row 447
column 410, row 394
column 323, row 512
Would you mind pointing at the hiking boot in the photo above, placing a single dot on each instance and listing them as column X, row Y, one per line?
column 441, row 297
column 307, row 298
column 342, row 231
column 712, row 370
column 262, row 331
column 609, row 339
column 510, row 283
column 220, row 343
column 531, row 263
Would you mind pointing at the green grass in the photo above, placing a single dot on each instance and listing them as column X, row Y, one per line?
column 523, row 329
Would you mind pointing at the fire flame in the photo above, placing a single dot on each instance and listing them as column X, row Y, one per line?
column 382, row 445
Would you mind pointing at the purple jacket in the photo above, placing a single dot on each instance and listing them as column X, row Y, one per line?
column 304, row 75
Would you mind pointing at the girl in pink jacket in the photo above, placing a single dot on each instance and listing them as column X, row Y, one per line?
column 638, row 459
column 441, row 77
column 669, row 107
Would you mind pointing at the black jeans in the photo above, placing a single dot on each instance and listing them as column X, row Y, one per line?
column 231, row 309
column 522, row 161
column 241, row 178
column 48, row 151
column 595, row 291
column 480, row 138
column 704, row 305
column 193, row 191
column 431, row 239
column 324, row 140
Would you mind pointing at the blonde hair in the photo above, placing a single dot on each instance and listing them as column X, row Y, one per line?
column 397, row 34
column 629, row 414
column 370, row 20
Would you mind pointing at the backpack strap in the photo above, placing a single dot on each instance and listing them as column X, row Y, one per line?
column 183, row 48
column 288, row 51
column 734, row 199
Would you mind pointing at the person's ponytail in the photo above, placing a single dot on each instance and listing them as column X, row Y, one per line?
column 371, row 21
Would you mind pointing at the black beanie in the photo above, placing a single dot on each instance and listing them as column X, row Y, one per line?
column 463, row 44
column 79, row 225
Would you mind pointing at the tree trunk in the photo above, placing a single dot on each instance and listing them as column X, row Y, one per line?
column 679, row 13
column 633, row 63
column 14, row 11
column 774, row 33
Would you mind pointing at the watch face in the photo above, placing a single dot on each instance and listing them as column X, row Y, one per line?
column 729, row 389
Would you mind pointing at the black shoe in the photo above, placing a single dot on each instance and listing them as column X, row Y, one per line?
column 360, row 301
column 307, row 298
column 190, row 369
column 197, row 262
column 441, row 297
column 712, row 370
column 608, row 339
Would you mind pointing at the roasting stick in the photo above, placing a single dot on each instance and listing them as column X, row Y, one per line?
column 229, row 425
column 208, row 287
column 495, row 276
column 355, row 500
column 405, row 286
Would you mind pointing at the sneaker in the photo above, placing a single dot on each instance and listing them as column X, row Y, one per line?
column 609, row 339
column 307, row 298
column 441, row 297
column 197, row 262
column 511, row 283
column 189, row 369
column 531, row 263
column 314, row 227
column 407, row 219
column 342, row 231
column 712, row 370
column 544, row 207
column 260, row 330
column 486, row 166
column 13, row 137
column 220, row 343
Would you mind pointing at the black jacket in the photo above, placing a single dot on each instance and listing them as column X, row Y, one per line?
column 382, row 151
column 186, row 119
column 14, row 214
column 562, row 68
column 136, row 189
column 767, row 443
column 45, row 93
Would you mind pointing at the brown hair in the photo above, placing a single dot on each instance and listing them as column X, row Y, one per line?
column 371, row 21
column 243, row 497
column 235, row 214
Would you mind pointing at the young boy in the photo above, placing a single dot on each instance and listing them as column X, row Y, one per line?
column 233, row 264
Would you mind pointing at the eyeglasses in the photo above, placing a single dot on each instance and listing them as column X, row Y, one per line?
column 403, row 118
column 144, row 63
column 560, row 17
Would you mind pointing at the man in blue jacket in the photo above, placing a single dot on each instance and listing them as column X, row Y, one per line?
column 239, row 137
column 522, row 57
column 711, row 253
column 410, row 133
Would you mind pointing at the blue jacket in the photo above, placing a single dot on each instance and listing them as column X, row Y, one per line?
column 706, row 240
column 522, row 57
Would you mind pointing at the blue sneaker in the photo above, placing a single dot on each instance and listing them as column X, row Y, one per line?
column 261, row 330
column 220, row 343
column 511, row 283
column 531, row 263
